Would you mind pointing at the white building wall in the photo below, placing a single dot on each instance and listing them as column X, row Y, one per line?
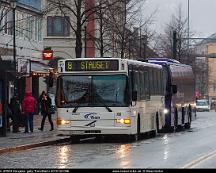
column 29, row 42
column 29, row 35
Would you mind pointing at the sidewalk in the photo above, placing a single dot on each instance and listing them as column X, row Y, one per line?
column 22, row 141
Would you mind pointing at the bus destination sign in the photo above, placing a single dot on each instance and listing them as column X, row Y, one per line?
column 91, row 65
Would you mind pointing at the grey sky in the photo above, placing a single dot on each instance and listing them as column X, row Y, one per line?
column 202, row 14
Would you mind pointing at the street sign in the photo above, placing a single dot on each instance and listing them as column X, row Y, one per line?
column 47, row 54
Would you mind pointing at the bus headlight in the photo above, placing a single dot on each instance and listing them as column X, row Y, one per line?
column 165, row 111
column 62, row 122
column 123, row 121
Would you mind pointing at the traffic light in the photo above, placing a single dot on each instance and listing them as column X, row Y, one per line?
column 174, row 44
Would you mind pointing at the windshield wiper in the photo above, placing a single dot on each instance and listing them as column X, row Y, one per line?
column 76, row 108
column 99, row 99
column 110, row 110
column 104, row 104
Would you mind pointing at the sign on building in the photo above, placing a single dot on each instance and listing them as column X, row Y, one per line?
column 23, row 66
column 47, row 54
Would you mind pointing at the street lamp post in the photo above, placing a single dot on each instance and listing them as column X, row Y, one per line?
column 188, row 27
column 13, row 4
column 85, row 30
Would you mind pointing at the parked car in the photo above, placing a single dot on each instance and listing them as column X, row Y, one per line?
column 202, row 105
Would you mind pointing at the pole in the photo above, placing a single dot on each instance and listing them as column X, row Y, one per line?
column 145, row 49
column 129, row 47
column 14, row 48
column 85, row 41
column 140, row 42
column 188, row 26
column 174, row 44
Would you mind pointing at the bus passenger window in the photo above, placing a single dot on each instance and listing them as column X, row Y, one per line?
column 147, row 85
column 137, row 85
column 142, row 85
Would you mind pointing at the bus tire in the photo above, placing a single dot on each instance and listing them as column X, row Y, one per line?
column 188, row 124
column 176, row 119
column 136, row 136
column 183, row 115
column 157, row 124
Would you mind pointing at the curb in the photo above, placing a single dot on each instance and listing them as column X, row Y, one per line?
column 34, row 145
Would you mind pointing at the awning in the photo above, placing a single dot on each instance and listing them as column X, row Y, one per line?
column 32, row 68
column 39, row 67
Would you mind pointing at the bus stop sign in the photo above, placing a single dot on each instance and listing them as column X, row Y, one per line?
column 47, row 54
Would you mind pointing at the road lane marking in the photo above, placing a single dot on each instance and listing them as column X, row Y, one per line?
column 200, row 160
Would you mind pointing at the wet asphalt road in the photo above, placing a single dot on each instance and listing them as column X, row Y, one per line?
column 195, row 148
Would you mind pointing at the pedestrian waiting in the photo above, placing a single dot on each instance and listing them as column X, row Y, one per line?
column 45, row 106
column 28, row 107
column 15, row 108
column 40, row 99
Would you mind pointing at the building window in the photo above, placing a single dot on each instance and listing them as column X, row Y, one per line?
column 58, row 26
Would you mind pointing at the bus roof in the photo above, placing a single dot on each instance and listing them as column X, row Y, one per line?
column 137, row 62
column 163, row 61
column 166, row 61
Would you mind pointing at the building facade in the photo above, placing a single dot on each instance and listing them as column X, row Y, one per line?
column 28, row 40
column 206, row 67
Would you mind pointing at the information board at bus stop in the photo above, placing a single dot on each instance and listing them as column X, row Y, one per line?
column 1, row 106
column 1, row 121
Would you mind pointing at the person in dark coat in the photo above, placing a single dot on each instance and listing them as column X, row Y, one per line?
column 9, row 115
column 15, row 107
column 40, row 99
column 45, row 111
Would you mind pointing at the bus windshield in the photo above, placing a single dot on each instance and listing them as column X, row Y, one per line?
column 93, row 91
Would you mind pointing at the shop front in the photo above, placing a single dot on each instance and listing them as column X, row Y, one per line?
column 33, row 81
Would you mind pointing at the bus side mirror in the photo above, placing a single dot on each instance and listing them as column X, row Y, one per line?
column 174, row 89
column 134, row 96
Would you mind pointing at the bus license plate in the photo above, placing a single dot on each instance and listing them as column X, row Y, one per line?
column 77, row 132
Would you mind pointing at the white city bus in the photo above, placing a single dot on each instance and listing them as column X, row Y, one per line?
column 109, row 96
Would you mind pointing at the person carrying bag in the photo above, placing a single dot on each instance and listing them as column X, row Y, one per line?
column 46, row 111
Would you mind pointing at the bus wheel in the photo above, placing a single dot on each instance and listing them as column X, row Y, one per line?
column 188, row 124
column 176, row 119
column 157, row 124
column 136, row 136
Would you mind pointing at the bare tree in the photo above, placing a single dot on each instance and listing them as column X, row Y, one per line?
column 122, row 19
column 178, row 23
column 79, row 12
column 103, row 41
column 201, row 72
column 115, row 20
column 4, row 11
column 138, row 40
